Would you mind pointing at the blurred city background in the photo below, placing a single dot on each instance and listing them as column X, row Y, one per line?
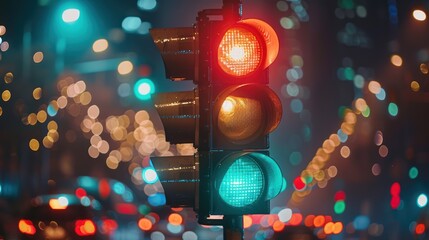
column 352, row 76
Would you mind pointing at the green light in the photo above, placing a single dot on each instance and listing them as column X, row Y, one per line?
column 144, row 88
column 366, row 112
column 242, row 183
column 413, row 173
column 393, row 109
column 339, row 207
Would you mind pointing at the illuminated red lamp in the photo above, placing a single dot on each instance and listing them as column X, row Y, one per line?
column 26, row 227
column 84, row 227
column 246, row 47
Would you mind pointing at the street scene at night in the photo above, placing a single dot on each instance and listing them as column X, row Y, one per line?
column 214, row 119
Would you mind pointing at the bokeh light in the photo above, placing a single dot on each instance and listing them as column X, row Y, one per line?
column 100, row 45
column 419, row 15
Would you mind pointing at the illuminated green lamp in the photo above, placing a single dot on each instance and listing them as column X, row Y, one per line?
column 248, row 178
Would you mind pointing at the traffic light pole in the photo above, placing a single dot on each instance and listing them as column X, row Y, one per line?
column 232, row 227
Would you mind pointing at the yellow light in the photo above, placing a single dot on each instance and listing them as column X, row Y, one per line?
column 37, row 93
column 245, row 112
column 415, row 86
column 240, row 118
column 419, row 15
column 125, row 67
column 6, row 95
column 228, row 105
column 34, row 144
column 42, row 116
column 56, row 204
column 100, row 45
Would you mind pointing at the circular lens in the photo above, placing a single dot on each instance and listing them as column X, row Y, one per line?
column 242, row 183
column 240, row 52
column 240, row 118
column 246, row 112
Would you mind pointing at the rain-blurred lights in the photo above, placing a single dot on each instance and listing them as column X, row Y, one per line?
column 8, row 77
column 393, row 109
column 143, row 89
column 125, row 67
column 413, row 173
column 145, row 224
column 299, row 183
column 100, row 45
column 420, row 228
column 37, row 93
column 149, row 175
column 146, row 4
column 4, row 46
column 376, row 169
column 285, row 215
column 339, row 207
column 419, row 15
column 38, row 57
column 424, row 68
column 247, row 221
column 175, row 219
column 345, row 151
column 34, row 144
column 190, row 235
column 381, row 95
column 2, row 30
column 6, row 95
column 131, row 24
column 422, row 200
column 415, row 86
column 383, row 151
column 374, row 87
column 396, row 60
column 71, row 15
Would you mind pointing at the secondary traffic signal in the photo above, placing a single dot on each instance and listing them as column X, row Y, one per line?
column 228, row 116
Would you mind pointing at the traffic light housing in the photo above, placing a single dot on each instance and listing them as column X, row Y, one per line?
column 233, row 110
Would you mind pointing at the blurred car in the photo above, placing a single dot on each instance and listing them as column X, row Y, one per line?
column 64, row 216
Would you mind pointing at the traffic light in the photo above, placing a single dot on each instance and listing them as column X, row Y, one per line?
column 228, row 116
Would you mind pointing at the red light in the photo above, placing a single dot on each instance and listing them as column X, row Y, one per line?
column 247, row 47
column 126, row 208
column 395, row 189
column 26, row 227
column 109, row 226
column 340, row 195
column 104, row 188
column 299, row 183
column 80, row 193
column 395, row 202
column 84, row 227
column 239, row 52
column 420, row 228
